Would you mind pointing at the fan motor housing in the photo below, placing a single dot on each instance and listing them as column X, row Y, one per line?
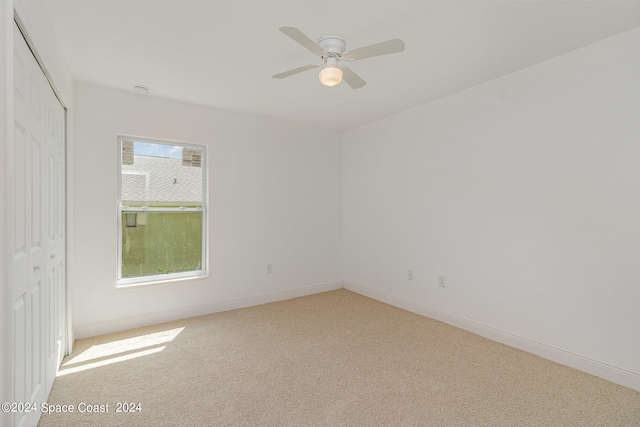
column 332, row 44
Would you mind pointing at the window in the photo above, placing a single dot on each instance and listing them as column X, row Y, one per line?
column 162, row 211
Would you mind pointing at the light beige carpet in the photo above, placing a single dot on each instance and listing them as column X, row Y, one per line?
column 336, row 359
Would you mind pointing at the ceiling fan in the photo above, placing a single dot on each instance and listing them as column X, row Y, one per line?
column 332, row 49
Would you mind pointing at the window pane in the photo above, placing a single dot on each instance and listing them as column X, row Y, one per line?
column 163, row 175
column 161, row 243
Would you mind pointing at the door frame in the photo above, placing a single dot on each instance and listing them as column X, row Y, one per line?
column 68, row 341
column 9, row 15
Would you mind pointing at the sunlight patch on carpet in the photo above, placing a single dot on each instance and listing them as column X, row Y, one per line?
column 119, row 351
column 74, row 369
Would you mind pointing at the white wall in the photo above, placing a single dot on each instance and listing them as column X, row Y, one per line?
column 275, row 194
column 524, row 193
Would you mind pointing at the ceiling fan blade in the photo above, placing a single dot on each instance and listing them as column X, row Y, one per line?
column 377, row 49
column 352, row 79
column 296, row 71
column 305, row 41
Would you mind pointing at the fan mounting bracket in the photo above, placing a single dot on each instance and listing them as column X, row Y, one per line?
column 332, row 45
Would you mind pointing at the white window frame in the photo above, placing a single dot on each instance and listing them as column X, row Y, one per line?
column 170, row 277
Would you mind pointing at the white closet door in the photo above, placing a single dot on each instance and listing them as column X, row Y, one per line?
column 38, row 233
column 55, row 288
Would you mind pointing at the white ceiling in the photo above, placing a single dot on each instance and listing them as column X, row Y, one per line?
column 222, row 53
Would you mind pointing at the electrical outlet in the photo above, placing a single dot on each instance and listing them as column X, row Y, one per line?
column 441, row 281
column 269, row 268
column 410, row 274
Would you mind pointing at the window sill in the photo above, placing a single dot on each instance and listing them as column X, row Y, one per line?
column 161, row 279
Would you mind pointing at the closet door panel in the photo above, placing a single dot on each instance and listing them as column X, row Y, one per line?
column 55, row 288
column 30, row 200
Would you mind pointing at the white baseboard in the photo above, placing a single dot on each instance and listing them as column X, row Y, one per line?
column 608, row 372
column 130, row 322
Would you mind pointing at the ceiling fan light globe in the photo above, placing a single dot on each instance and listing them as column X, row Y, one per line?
column 330, row 76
